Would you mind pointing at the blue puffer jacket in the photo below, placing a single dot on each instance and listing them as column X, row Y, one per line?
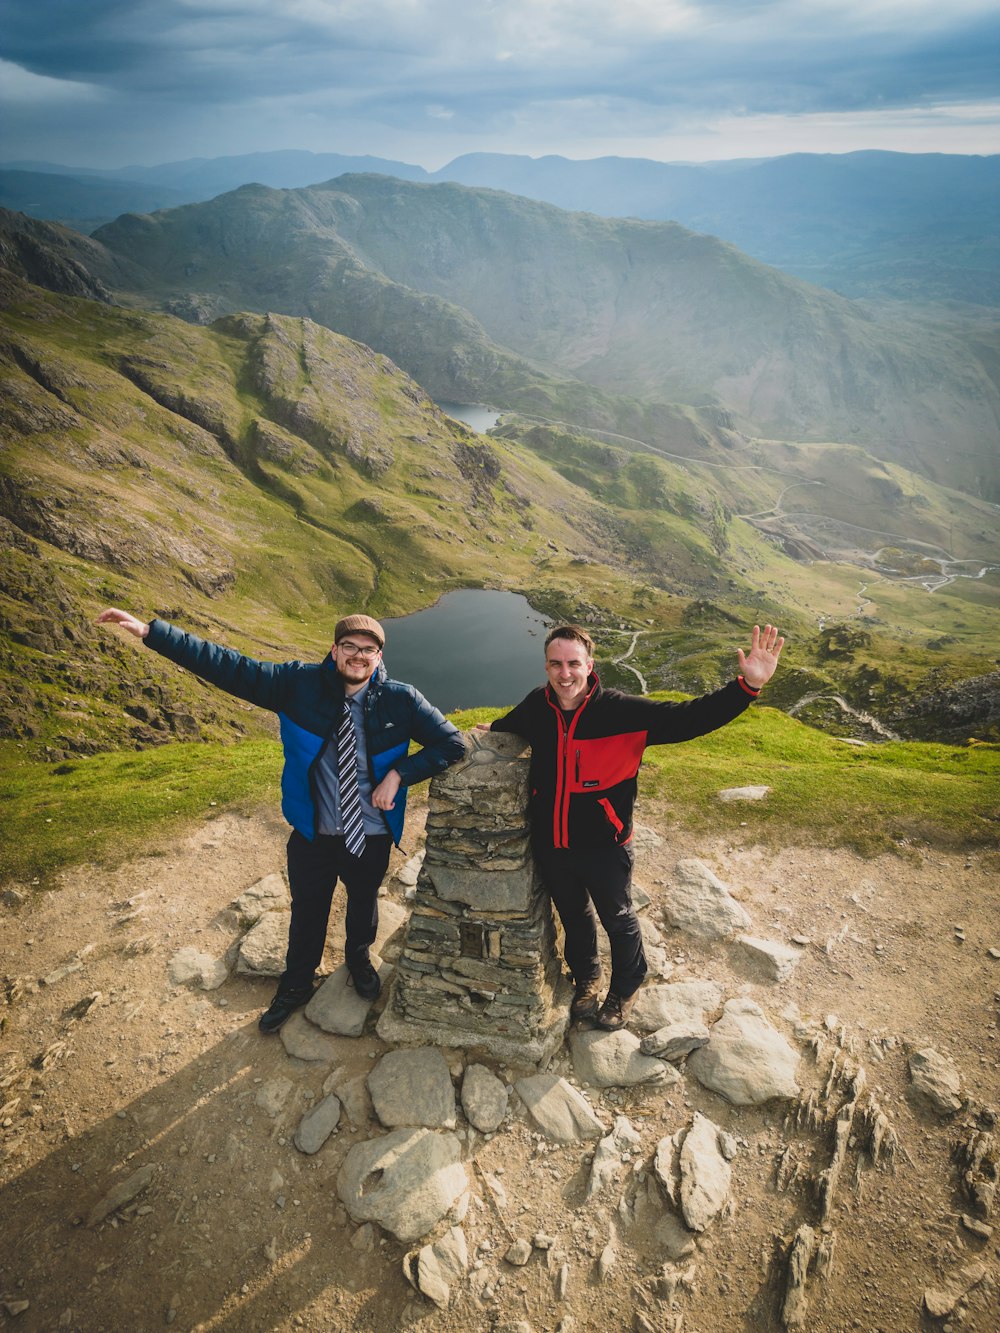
column 309, row 701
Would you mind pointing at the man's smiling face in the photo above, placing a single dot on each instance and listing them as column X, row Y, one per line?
column 568, row 667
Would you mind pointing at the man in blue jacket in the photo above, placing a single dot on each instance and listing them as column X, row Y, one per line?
column 346, row 730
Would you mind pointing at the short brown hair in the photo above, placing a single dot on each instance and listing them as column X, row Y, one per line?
column 571, row 632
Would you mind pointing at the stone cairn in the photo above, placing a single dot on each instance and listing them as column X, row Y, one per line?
column 478, row 968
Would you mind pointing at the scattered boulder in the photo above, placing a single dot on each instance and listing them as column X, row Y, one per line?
column 189, row 964
column 263, row 948
column 304, row 1041
column 674, row 1041
column 706, row 1176
column 406, row 1181
column 317, row 1125
column 337, row 1007
column 747, row 1061
column 413, row 1087
column 677, row 1002
column 936, row 1079
column 269, row 894
column 484, row 1098
column 121, row 1194
column 608, row 1155
column 406, row 875
column 700, row 904
column 558, row 1110
column 743, row 794
column 614, row 1060
column 777, row 961
column 272, row 1096
column 434, row 1268
column 392, row 919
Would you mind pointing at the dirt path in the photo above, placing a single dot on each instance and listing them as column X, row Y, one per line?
column 109, row 1068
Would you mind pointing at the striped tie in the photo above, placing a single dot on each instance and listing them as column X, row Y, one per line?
column 350, row 797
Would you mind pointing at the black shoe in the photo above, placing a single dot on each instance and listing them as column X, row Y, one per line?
column 366, row 981
column 282, row 1007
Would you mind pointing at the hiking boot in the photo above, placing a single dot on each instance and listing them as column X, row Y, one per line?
column 586, row 998
column 366, row 981
column 282, row 1007
column 615, row 1011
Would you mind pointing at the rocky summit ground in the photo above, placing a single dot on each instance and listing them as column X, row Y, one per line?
column 150, row 1176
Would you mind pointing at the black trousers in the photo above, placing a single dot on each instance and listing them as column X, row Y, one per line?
column 585, row 884
column 313, row 870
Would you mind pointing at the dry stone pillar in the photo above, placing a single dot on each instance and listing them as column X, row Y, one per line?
column 479, row 968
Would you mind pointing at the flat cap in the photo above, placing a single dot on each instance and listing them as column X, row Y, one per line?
column 359, row 625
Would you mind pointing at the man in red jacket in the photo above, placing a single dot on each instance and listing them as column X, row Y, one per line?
column 586, row 747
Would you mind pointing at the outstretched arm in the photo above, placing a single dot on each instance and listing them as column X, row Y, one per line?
column 113, row 616
column 758, row 666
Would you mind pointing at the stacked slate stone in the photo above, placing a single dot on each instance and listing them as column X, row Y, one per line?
column 478, row 968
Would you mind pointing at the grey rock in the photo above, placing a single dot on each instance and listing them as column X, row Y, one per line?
column 607, row 1261
column 407, row 874
column 519, row 1253
column 614, row 1060
column 191, row 964
column 392, row 919
column 676, row 1002
column 645, row 839
column 272, row 1096
column 353, row 1094
column 675, row 1239
column 337, row 1007
column 697, row 902
column 674, row 1041
column 406, row 1181
column 746, row 1060
column 666, row 1164
column 777, row 961
column 263, row 948
column 304, row 1041
column 706, row 1176
column 558, row 1109
column 269, row 894
column 937, row 1080
column 413, row 1088
column 364, row 1239
column 484, row 1098
column 607, row 1164
column 121, row 1194
column 441, row 1264
column 743, row 794
column 317, row 1125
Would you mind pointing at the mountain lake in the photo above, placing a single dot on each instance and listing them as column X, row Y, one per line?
column 480, row 418
column 473, row 648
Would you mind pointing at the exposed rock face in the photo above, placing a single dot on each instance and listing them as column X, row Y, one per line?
column 953, row 713
column 478, row 968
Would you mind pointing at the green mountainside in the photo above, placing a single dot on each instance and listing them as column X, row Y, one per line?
column 254, row 478
column 481, row 295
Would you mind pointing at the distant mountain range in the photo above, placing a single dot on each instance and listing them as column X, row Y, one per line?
column 483, row 296
column 905, row 226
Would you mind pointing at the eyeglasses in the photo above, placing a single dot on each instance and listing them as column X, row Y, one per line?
column 355, row 650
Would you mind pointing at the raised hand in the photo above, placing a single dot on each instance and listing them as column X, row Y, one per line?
column 112, row 616
column 758, row 665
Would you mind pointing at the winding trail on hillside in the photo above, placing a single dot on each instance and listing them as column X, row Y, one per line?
column 624, row 662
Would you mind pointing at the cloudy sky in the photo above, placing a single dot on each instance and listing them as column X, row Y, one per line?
column 113, row 82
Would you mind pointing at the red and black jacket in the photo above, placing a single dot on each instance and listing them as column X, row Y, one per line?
column 583, row 772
